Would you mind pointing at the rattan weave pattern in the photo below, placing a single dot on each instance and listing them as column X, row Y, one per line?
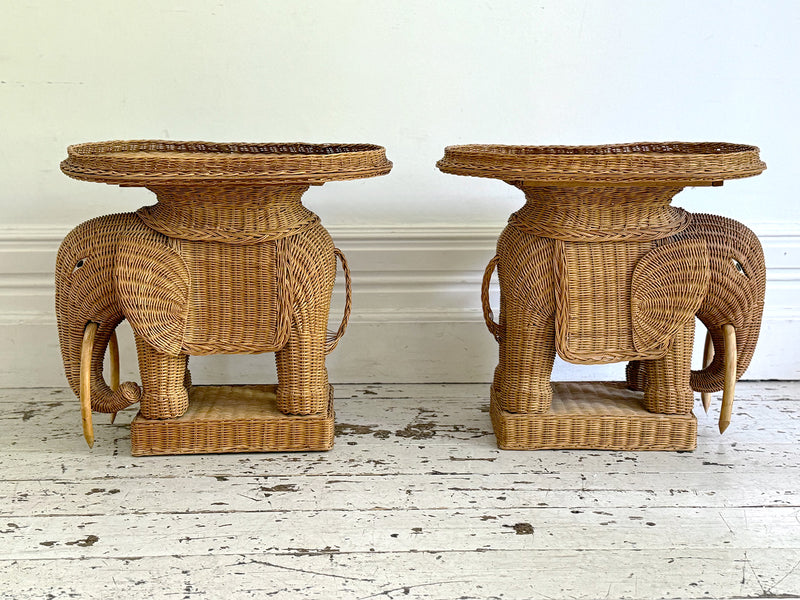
column 600, row 213
column 228, row 261
column 233, row 214
column 150, row 162
column 597, row 267
column 680, row 162
column 593, row 416
column 225, row 419
column 577, row 296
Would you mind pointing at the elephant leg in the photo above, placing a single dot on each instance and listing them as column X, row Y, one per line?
column 302, row 376
column 667, row 389
column 527, row 351
column 635, row 375
column 187, row 378
column 309, row 267
column 527, row 322
column 163, row 375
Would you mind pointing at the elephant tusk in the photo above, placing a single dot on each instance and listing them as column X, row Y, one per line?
column 86, row 382
column 708, row 356
column 113, row 355
column 729, row 337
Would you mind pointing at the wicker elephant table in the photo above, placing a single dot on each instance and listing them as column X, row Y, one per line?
column 598, row 267
column 228, row 261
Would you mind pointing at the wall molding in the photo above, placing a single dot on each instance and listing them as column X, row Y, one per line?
column 416, row 314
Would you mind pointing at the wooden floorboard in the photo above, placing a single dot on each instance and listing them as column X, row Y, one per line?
column 414, row 501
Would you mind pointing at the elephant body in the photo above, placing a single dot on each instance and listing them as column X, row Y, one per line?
column 598, row 279
column 201, row 273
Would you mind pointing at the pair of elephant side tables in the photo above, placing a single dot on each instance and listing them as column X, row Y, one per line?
column 597, row 266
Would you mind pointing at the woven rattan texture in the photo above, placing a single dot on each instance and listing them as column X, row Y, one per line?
column 728, row 243
column 601, row 302
column 597, row 267
column 156, row 162
column 580, row 294
column 224, row 419
column 265, row 290
column 600, row 214
column 83, row 280
column 580, row 278
column 233, row 214
column 593, row 416
column 526, row 330
column 679, row 162
column 593, row 322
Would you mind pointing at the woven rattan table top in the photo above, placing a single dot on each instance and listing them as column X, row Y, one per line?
column 683, row 163
column 154, row 162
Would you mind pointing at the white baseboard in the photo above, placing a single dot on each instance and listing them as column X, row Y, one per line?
column 416, row 310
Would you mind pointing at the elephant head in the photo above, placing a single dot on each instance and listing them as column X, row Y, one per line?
column 735, row 295
column 113, row 268
column 86, row 294
column 724, row 290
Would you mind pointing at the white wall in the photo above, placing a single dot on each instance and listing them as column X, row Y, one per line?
column 413, row 76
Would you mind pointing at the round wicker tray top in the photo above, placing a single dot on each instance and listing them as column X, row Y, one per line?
column 154, row 162
column 670, row 162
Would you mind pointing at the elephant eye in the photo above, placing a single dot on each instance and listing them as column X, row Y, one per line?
column 738, row 266
column 79, row 264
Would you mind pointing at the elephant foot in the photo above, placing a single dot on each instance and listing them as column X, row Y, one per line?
column 531, row 399
column 308, row 401
column 669, row 400
column 170, row 406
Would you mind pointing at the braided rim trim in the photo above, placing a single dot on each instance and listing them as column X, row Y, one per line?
column 141, row 162
column 617, row 163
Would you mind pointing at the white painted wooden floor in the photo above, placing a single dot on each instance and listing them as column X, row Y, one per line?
column 414, row 501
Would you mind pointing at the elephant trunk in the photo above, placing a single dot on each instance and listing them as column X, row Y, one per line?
column 103, row 398
column 712, row 377
column 88, row 311
column 745, row 329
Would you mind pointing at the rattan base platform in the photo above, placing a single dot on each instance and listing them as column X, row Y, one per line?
column 242, row 418
column 593, row 415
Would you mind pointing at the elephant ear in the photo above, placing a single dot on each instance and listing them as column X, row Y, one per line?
column 667, row 289
column 153, row 282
